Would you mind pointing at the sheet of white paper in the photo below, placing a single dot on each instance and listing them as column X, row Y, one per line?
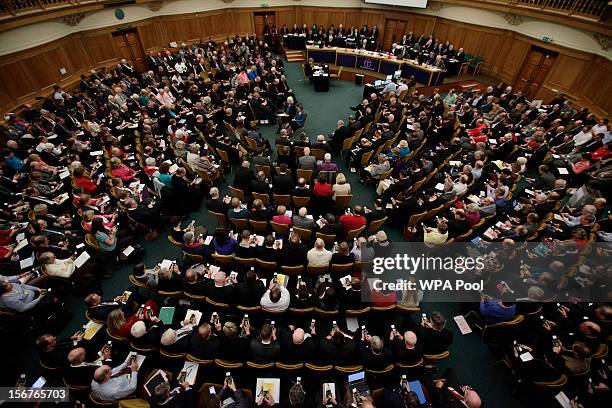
column 81, row 259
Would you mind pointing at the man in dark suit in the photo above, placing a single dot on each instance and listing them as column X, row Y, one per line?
column 218, row 291
column 243, row 176
column 259, row 185
column 203, row 343
column 340, row 135
column 374, row 354
column 182, row 396
column 216, row 203
column 434, row 334
column 296, row 347
column 283, row 182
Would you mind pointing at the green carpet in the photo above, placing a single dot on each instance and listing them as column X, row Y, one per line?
column 469, row 356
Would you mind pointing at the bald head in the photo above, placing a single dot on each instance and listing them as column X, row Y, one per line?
column 298, row 336
column 76, row 356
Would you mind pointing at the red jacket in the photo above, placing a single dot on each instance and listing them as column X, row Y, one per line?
column 351, row 222
column 86, row 184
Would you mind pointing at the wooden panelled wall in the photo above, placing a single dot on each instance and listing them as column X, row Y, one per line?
column 27, row 74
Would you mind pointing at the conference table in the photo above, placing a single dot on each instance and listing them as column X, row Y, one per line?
column 377, row 64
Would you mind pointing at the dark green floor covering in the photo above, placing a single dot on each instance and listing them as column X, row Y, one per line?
column 469, row 356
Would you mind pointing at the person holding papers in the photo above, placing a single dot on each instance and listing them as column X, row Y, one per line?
column 19, row 297
column 110, row 384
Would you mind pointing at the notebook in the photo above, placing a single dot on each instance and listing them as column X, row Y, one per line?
column 191, row 370
column 80, row 261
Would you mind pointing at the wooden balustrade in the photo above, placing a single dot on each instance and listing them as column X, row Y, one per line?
column 589, row 8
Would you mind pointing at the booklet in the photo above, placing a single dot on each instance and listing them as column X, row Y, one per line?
column 166, row 314
column 463, row 325
column 154, row 381
column 193, row 316
column 90, row 329
column 268, row 385
column 190, row 369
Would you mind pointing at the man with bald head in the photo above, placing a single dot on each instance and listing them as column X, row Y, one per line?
column 406, row 348
column 319, row 255
column 218, row 291
column 79, row 372
column 110, row 384
column 447, row 392
column 297, row 346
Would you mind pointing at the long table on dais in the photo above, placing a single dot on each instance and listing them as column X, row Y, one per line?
column 379, row 64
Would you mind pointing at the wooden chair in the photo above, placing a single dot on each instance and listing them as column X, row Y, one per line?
column 240, row 224
column 171, row 356
column 328, row 239
column 250, row 310
column 354, row 233
column 200, row 361
column 282, row 199
column 174, row 242
column 385, row 370
column 348, row 369
column 404, row 366
column 267, row 266
column 236, row 192
column 336, row 76
column 365, row 158
column 317, row 270
column 266, row 169
column 259, row 366
column 347, row 144
column 195, row 258
column 437, row 357
column 299, row 202
column 228, row 365
column 292, row 270
column 301, row 312
column 357, row 312
column 245, row 263
column 223, row 260
column 306, row 174
column 338, row 269
column 319, row 154
column 415, row 219
column 502, row 329
column 116, row 338
column 263, row 197
column 221, row 218
column 289, row 367
column 280, row 229
column 316, row 368
column 261, row 227
column 304, row 234
column 343, row 201
column 94, row 402
column 556, row 384
column 375, row 225
column 217, row 305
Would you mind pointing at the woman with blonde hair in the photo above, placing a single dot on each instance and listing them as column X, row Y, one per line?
column 341, row 187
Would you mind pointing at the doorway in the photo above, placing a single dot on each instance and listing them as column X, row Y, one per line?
column 535, row 68
column 263, row 19
column 128, row 43
column 394, row 31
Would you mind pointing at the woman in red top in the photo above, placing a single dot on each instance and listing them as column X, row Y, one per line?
column 281, row 217
column 121, row 170
column 321, row 196
column 322, row 188
column 118, row 325
column 81, row 180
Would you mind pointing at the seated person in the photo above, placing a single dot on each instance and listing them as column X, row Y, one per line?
column 111, row 384
column 436, row 337
column 265, row 348
column 276, row 298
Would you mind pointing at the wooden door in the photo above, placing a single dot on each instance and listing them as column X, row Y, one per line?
column 263, row 19
column 394, row 31
column 535, row 68
column 129, row 46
